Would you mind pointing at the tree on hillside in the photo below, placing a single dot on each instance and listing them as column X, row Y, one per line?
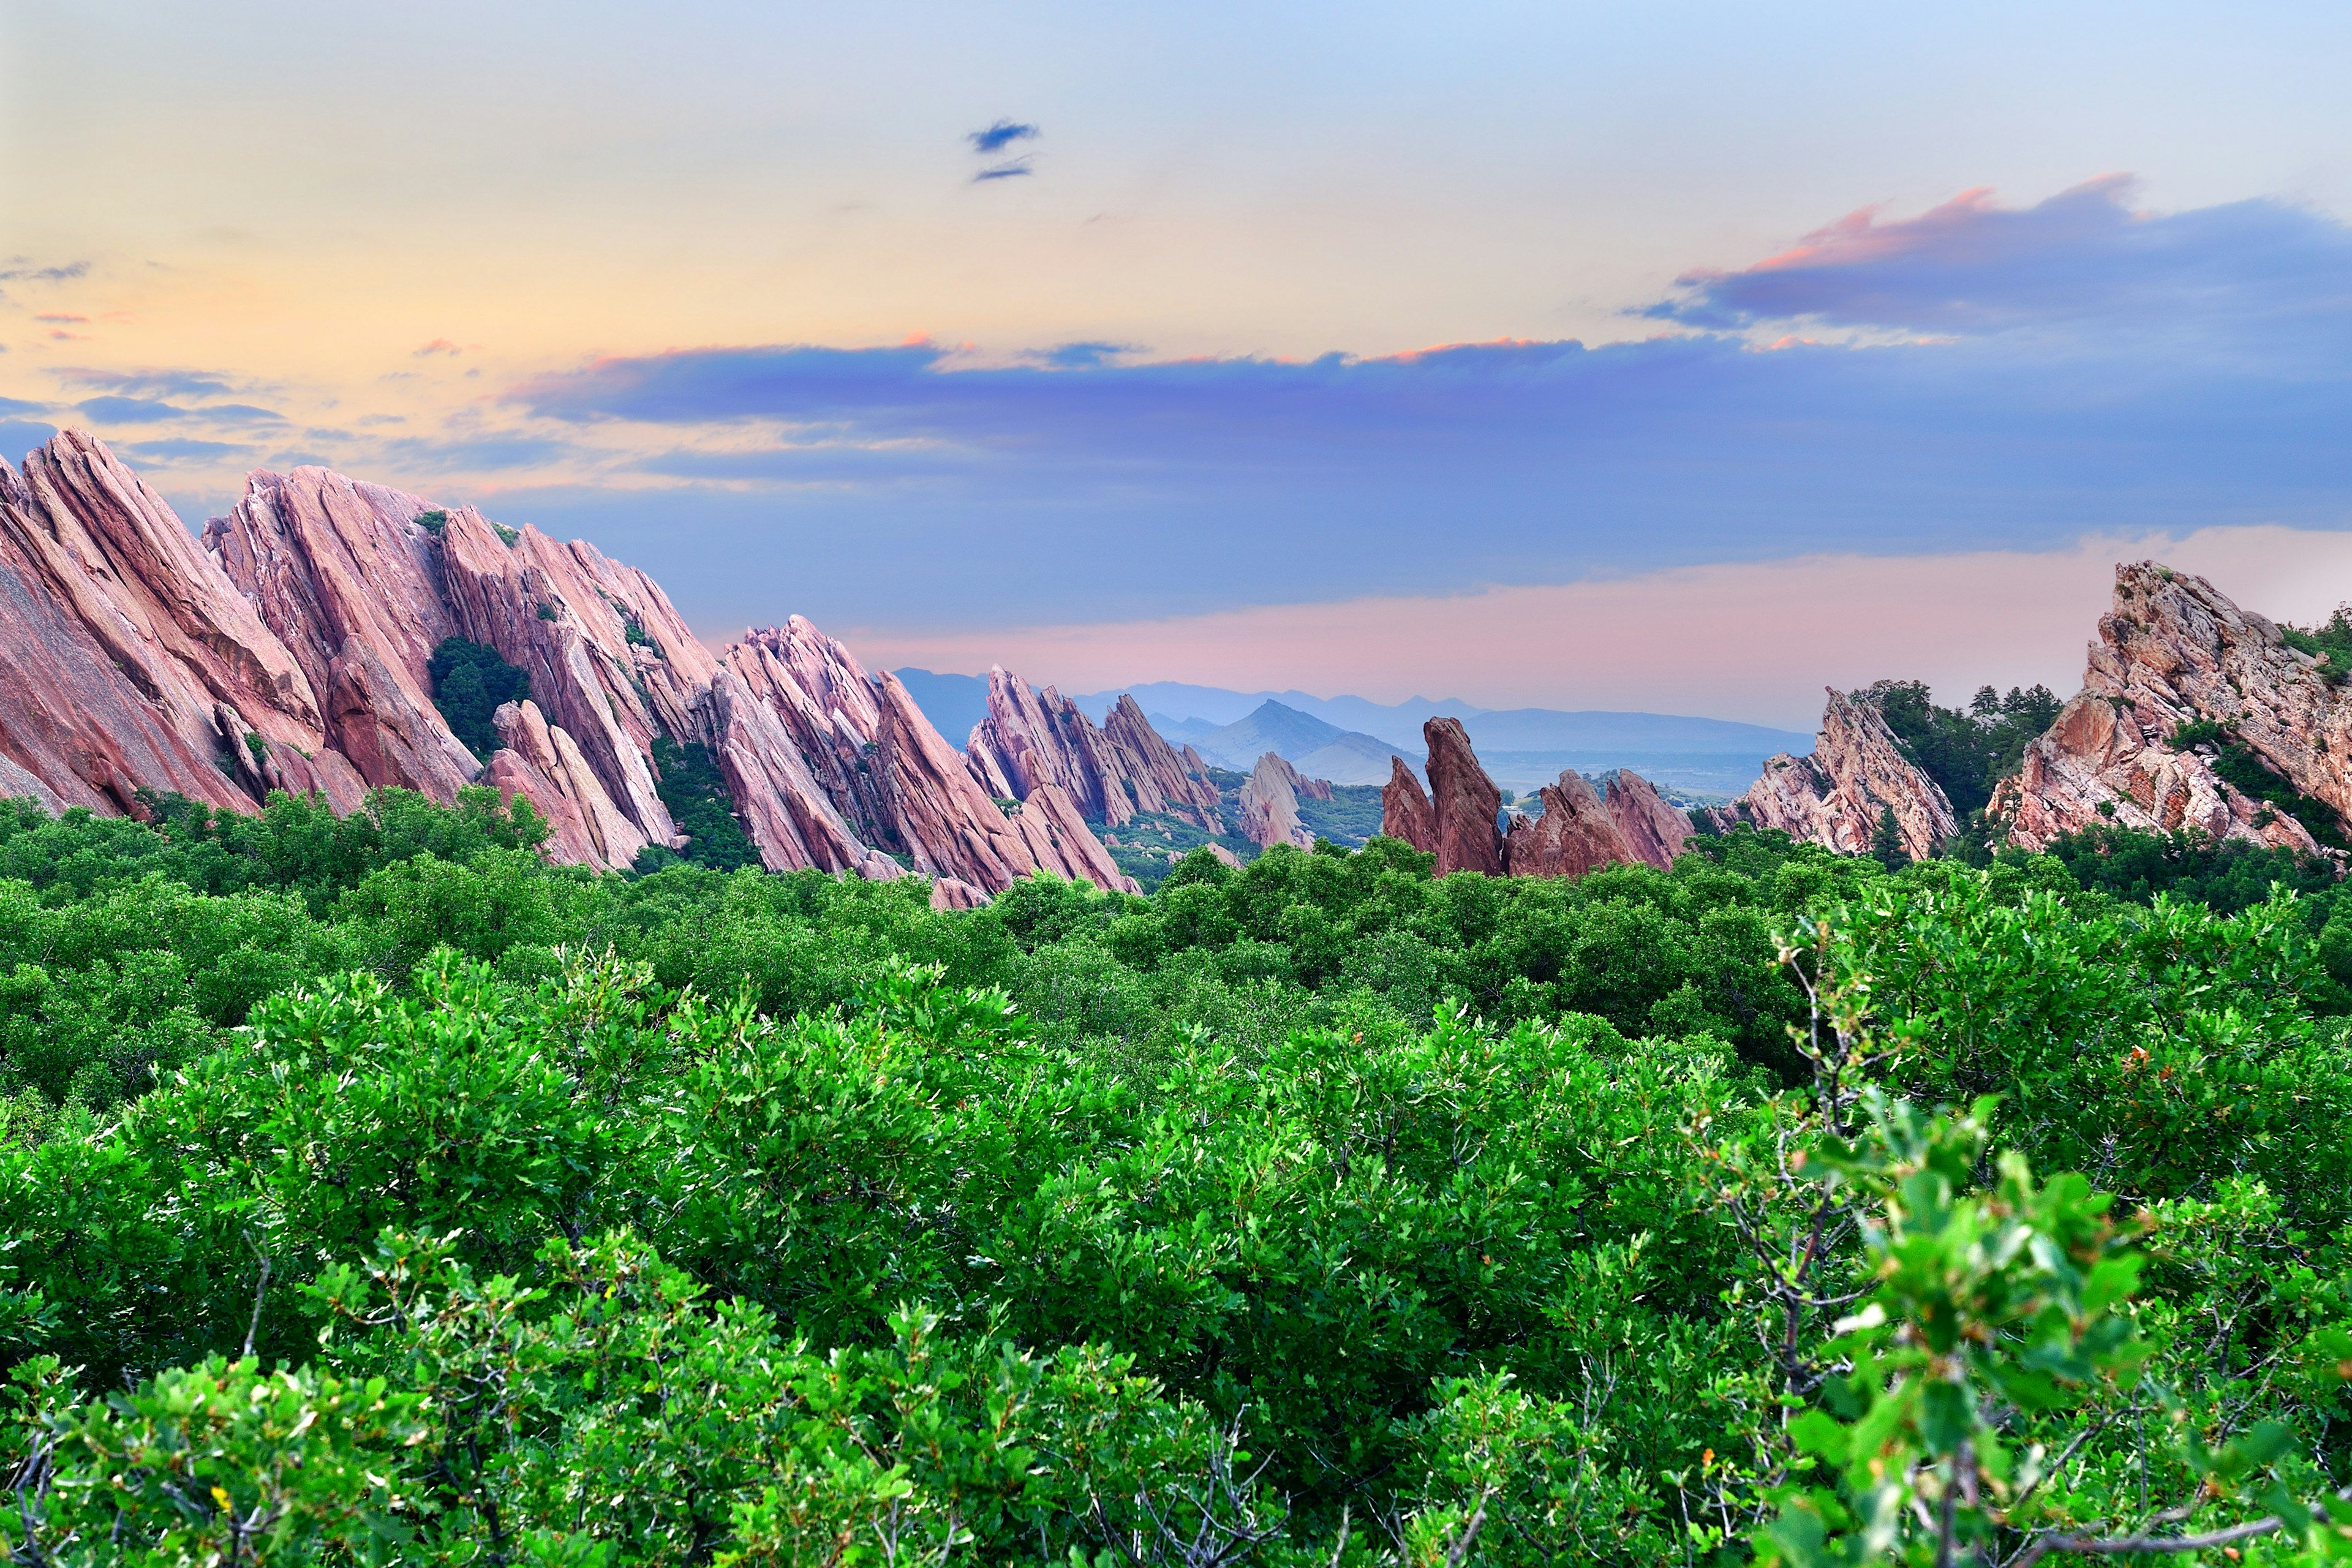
column 1886, row 841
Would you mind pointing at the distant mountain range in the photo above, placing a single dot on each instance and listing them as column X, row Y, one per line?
column 1348, row 740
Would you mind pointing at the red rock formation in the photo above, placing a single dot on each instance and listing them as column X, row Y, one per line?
column 1835, row 796
column 1464, row 802
column 1269, row 805
column 1655, row 831
column 538, row 603
column 1576, row 833
column 1030, row 738
column 292, row 651
column 951, row 827
column 1161, row 780
column 131, row 660
column 2172, row 651
column 1405, row 813
column 540, row 762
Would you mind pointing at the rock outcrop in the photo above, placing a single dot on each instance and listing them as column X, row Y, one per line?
column 292, row 649
column 1577, row 833
column 1655, row 831
column 1405, row 813
column 541, row 763
column 1269, row 804
column 131, row 661
column 1111, row 773
column 1835, row 796
column 2173, row 650
column 1464, row 802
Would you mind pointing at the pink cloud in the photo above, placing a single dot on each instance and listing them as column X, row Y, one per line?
column 1748, row 641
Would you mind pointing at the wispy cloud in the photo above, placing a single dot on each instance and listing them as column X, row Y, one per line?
column 59, row 316
column 19, row 269
column 1533, row 461
column 1082, row 355
column 996, row 138
column 154, row 411
column 437, row 346
column 2082, row 258
column 12, row 405
column 181, row 450
column 154, row 383
column 992, row 143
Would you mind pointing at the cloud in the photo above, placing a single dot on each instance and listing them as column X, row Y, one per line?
column 18, row 269
column 1018, row 169
column 21, row 436
column 930, row 483
column 154, row 383
column 59, row 316
column 989, row 143
column 1082, row 355
column 18, row 405
column 1755, row 641
column 437, row 346
column 181, row 450
column 476, row 454
column 2084, row 256
column 152, row 411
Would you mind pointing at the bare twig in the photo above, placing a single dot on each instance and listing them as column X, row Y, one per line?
column 253, row 1326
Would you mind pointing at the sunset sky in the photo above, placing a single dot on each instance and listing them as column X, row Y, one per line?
column 1680, row 357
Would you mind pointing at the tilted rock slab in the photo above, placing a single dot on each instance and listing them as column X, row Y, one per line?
column 1835, row 796
column 1655, row 831
column 2172, row 649
column 1405, row 813
column 542, row 764
column 1033, row 737
column 1462, row 801
column 291, row 650
column 1269, row 804
column 129, row 661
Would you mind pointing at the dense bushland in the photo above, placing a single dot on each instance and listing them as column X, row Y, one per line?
column 372, row 1192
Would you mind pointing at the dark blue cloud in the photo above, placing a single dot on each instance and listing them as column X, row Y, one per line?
column 181, row 450
column 1084, row 355
column 154, row 383
column 18, row 405
column 18, row 436
column 2084, row 259
column 154, row 411
column 988, row 143
column 476, row 454
column 1018, row 169
column 2213, row 387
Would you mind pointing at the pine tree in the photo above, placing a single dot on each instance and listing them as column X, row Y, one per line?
column 1886, row 842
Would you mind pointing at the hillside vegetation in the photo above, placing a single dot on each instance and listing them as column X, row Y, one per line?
column 372, row 1192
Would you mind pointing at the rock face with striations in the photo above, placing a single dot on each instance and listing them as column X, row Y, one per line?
column 2173, row 650
column 1835, row 796
column 1269, row 804
column 1462, row 801
column 1655, row 831
column 291, row 651
column 1032, row 737
column 1405, row 813
column 130, row 662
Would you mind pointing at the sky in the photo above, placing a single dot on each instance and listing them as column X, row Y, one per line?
column 1686, row 357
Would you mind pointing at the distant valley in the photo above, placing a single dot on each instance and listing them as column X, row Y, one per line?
column 1348, row 740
